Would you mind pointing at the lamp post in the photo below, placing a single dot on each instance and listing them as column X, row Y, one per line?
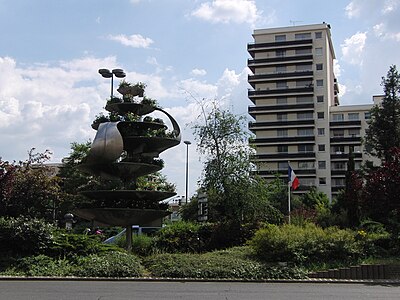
column 187, row 169
column 106, row 73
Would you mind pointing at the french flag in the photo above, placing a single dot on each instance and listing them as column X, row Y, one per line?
column 294, row 181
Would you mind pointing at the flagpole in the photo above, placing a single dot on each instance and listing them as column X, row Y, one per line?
column 289, row 184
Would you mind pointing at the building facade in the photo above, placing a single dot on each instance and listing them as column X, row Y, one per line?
column 298, row 119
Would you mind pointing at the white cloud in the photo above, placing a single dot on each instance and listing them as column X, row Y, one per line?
column 198, row 89
column 390, row 6
column 134, row 40
column 352, row 10
column 353, row 47
column 198, row 72
column 336, row 68
column 228, row 11
column 381, row 31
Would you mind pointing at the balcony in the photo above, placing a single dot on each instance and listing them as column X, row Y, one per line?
column 260, row 47
column 253, row 126
column 285, row 171
column 347, row 123
column 345, row 156
column 307, row 90
column 255, row 110
column 277, row 60
column 338, row 172
column 282, row 155
column 284, row 139
column 346, row 139
column 252, row 79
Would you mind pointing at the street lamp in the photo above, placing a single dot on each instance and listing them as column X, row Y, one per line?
column 187, row 169
column 106, row 73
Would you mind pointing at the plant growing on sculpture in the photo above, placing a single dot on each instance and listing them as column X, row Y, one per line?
column 150, row 102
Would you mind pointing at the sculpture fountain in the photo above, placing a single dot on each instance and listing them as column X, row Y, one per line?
column 126, row 149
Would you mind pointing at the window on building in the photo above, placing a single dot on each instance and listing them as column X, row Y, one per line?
column 307, row 181
column 339, row 182
column 318, row 51
column 281, row 85
column 320, row 99
column 357, row 165
column 302, row 36
column 304, row 99
column 321, row 147
column 319, row 67
column 305, row 116
column 322, row 164
column 280, row 53
column 281, row 116
column 338, row 133
column 306, row 67
column 337, row 117
column 322, row 180
column 354, row 132
column 282, row 132
column 306, row 165
column 367, row 115
column 305, row 148
column 305, row 132
column 338, row 149
column 282, row 149
column 280, row 38
column 320, row 115
column 318, row 35
column 281, row 100
column 303, row 51
column 356, row 148
column 354, row 116
column 321, row 131
column 283, row 165
column 338, row 165
column 280, row 69
column 303, row 83
column 320, row 82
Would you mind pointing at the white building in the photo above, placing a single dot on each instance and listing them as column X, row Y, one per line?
column 296, row 108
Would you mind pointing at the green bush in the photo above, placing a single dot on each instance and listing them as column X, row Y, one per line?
column 42, row 265
column 179, row 237
column 69, row 244
column 24, row 236
column 112, row 264
column 234, row 263
column 142, row 244
column 306, row 244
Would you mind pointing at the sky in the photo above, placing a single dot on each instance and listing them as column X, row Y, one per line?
column 187, row 52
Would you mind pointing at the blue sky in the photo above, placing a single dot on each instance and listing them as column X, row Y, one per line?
column 183, row 50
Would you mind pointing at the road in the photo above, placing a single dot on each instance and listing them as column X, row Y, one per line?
column 96, row 290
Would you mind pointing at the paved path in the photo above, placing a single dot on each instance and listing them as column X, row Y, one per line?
column 104, row 290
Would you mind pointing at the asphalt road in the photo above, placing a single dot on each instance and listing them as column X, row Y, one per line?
column 96, row 290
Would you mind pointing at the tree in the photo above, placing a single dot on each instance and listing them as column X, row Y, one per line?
column 381, row 190
column 233, row 192
column 27, row 189
column 383, row 132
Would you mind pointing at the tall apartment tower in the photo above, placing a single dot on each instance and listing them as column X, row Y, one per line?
column 296, row 108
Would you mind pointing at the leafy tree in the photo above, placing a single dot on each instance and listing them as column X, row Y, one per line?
column 381, row 190
column 233, row 192
column 383, row 132
column 28, row 189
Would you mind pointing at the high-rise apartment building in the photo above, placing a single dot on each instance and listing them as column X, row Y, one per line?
column 296, row 108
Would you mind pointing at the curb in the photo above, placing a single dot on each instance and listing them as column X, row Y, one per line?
column 183, row 280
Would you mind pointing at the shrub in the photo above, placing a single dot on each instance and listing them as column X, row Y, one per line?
column 43, row 265
column 305, row 244
column 233, row 263
column 112, row 264
column 69, row 244
column 23, row 236
column 179, row 237
column 142, row 244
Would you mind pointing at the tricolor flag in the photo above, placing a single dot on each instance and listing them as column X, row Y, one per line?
column 294, row 181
